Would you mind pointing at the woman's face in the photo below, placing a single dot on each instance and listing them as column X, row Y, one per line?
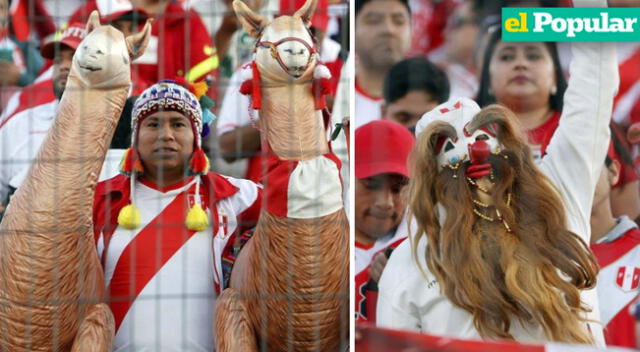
column 521, row 71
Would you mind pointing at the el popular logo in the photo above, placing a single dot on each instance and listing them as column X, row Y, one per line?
column 557, row 24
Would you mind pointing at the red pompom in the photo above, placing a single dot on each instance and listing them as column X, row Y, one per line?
column 247, row 87
column 199, row 162
column 320, row 87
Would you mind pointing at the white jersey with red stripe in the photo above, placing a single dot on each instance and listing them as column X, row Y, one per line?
column 364, row 255
column 173, row 310
column 618, row 253
column 367, row 107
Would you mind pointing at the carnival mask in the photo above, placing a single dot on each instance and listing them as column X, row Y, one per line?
column 460, row 143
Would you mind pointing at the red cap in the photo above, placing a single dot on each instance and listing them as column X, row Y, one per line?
column 382, row 147
column 71, row 37
column 320, row 18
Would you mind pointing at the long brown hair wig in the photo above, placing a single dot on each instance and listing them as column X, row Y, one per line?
column 535, row 271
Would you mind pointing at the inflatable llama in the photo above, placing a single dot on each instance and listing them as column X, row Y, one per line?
column 51, row 285
column 289, row 286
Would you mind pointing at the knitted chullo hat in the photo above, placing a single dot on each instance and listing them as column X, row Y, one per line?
column 169, row 95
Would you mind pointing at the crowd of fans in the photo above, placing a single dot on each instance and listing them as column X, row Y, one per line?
column 414, row 55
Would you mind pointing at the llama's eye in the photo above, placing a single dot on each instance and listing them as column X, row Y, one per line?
column 482, row 137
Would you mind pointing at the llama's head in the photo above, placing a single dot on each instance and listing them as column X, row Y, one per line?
column 104, row 57
column 285, row 47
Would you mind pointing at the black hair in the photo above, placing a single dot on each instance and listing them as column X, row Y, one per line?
column 122, row 136
column 416, row 73
column 485, row 97
column 360, row 4
column 486, row 8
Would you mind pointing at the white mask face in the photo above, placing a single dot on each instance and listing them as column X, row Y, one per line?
column 458, row 114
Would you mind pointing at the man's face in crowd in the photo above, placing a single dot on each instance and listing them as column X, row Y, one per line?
column 165, row 142
column 408, row 110
column 4, row 13
column 380, row 204
column 61, row 67
column 383, row 33
column 461, row 32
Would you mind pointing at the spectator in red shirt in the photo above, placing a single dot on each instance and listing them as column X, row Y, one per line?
column 616, row 244
column 180, row 45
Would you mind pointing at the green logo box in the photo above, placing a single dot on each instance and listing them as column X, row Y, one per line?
column 569, row 24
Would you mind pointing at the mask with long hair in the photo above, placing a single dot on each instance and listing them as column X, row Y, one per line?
column 513, row 257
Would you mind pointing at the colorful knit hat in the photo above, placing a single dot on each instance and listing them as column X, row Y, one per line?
column 190, row 100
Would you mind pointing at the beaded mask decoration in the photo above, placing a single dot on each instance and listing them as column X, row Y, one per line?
column 461, row 145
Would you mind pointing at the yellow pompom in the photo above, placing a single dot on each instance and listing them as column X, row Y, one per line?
column 129, row 217
column 197, row 219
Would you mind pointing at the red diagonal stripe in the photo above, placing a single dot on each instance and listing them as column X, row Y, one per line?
column 20, row 19
column 146, row 254
column 608, row 254
column 631, row 70
column 31, row 96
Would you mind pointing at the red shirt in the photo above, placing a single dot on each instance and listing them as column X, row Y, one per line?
column 180, row 46
column 428, row 22
column 540, row 137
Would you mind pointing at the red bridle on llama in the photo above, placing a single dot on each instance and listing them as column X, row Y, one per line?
column 320, row 85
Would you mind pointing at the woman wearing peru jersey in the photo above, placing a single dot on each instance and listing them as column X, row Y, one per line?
column 162, row 226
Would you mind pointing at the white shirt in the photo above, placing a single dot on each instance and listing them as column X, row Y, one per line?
column 20, row 140
column 408, row 300
column 367, row 107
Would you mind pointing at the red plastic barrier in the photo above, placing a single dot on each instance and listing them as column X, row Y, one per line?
column 372, row 339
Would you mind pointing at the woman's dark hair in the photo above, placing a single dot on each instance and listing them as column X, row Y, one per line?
column 485, row 97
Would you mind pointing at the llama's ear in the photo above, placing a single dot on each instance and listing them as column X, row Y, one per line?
column 137, row 43
column 252, row 22
column 93, row 22
column 306, row 11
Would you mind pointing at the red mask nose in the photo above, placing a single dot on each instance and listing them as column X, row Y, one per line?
column 479, row 152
